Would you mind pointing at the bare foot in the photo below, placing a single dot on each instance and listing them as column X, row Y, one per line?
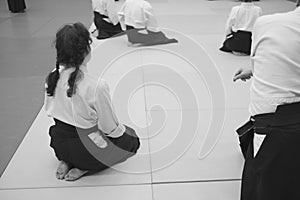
column 62, row 170
column 74, row 174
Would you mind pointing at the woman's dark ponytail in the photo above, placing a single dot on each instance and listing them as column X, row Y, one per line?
column 74, row 76
column 51, row 81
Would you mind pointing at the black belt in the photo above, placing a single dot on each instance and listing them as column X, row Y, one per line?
column 262, row 123
column 73, row 131
column 285, row 115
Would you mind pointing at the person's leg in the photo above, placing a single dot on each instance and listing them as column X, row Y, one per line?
column 16, row 6
column 81, row 156
column 148, row 38
column 21, row 6
column 240, row 42
column 99, row 23
column 155, row 38
column 59, row 144
column 125, row 146
column 272, row 173
column 105, row 29
column 92, row 159
column 134, row 36
column 110, row 29
column 114, row 30
column 248, row 176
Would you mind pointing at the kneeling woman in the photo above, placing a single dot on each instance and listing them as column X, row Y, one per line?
column 136, row 17
column 239, row 27
column 87, row 136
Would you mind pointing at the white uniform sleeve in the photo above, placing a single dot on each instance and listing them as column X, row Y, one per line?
column 150, row 19
column 230, row 21
column 258, row 28
column 108, row 122
column 255, row 41
column 112, row 13
column 121, row 16
column 254, row 38
column 259, row 11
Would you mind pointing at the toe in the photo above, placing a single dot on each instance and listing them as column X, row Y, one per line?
column 74, row 174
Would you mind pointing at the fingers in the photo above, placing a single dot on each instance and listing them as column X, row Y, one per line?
column 237, row 77
column 242, row 74
column 238, row 72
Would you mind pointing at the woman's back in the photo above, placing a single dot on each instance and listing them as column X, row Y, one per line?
column 244, row 16
column 78, row 110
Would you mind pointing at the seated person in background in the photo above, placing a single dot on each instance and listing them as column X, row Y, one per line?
column 137, row 16
column 106, row 18
column 87, row 135
column 239, row 27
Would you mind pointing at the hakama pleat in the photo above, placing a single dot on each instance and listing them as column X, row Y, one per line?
column 273, row 174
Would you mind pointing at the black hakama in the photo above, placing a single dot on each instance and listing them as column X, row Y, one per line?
column 274, row 173
column 106, row 29
column 16, row 6
column 239, row 41
column 151, row 38
column 73, row 146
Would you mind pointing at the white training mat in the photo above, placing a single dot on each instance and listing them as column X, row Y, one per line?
column 130, row 192
column 180, row 99
column 227, row 190
column 131, row 77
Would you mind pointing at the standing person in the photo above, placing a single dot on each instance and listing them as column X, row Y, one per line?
column 239, row 26
column 137, row 16
column 87, row 135
column 272, row 162
column 106, row 18
column 16, row 6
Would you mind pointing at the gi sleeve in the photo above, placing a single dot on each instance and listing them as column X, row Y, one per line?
column 230, row 21
column 121, row 16
column 108, row 122
column 149, row 17
column 112, row 13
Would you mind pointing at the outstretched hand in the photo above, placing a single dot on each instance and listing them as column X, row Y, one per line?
column 243, row 74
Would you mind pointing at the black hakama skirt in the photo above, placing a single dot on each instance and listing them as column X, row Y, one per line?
column 16, row 6
column 239, row 41
column 73, row 146
column 274, row 173
column 106, row 29
column 151, row 38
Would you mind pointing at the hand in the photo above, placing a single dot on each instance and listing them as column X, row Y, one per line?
column 243, row 74
column 97, row 138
